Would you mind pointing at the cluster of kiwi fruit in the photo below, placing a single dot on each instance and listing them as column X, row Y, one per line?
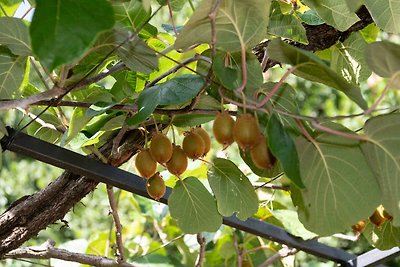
column 196, row 144
column 378, row 218
column 245, row 131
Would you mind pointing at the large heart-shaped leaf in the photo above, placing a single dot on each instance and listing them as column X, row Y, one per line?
column 340, row 186
column 194, row 207
column 175, row 91
column 14, row 34
column 383, row 155
column 12, row 69
column 334, row 12
column 310, row 67
column 57, row 33
column 386, row 14
column 237, row 24
column 232, row 189
column 348, row 59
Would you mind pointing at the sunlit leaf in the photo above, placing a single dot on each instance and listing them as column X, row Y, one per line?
column 348, row 59
column 383, row 155
column 291, row 222
column 310, row 67
column 194, row 207
column 334, row 12
column 14, row 34
column 238, row 24
column 57, row 31
column 78, row 121
column 233, row 190
column 386, row 14
column 340, row 186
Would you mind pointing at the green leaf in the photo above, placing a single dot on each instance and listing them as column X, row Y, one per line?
column 46, row 134
column 287, row 26
column 175, row 91
column 334, row 12
column 291, row 223
column 348, row 59
column 230, row 75
column 385, row 14
column 14, row 34
column 12, row 70
column 383, row 155
column 194, row 207
column 384, row 237
column 176, row 5
column 354, row 5
column 238, row 24
column 78, row 121
column 340, row 187
column 190, row 120
column 384, row 58
column 310, row 17
column 284, row 149
column 233, row 190
column 310, row 67
column 57, row 32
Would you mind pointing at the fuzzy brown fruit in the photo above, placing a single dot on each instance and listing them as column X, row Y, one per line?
column 145, row 164
column 223, row 128
column 156, row 187
column 161, row 148
column 193, row 145
column 178, row 162
column 206, row 138
column 246, row 132
column 261, row 156
column 378, row 218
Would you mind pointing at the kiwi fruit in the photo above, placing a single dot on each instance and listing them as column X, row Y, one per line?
column 178, row 162
column 193, row 145
column 145, row 164
column 206, row 138
column 161, row 148
column 246, row 132
column 223, row 128
column 156, row 187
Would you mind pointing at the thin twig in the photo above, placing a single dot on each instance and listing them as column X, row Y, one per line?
column 274, row 187
column 171, row 17
column 202, row 251
column 117, row 140
column 39, row 74
column 48, row 251
column 282, row 253
column 3, row 10
column 42, row 122
column 117, row 223
column 213, row 16
column 270, row 181
column 27, row 12
column 238, row 251
column 339, row 133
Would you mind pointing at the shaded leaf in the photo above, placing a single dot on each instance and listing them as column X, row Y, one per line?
column 310, row 17
column 233, row 190
column 175, row 91
column 12, row 70
column 237, row 23
column 230, row 75
column 348, row 59
column 57, row 33
column 354, row 5
column 334, row 12
column 46, row 134
column 386, row 62
column 386, row 14
column 283, row 148
column 287, row 26
column 382, row 153
column 79, row 120
column 14, row 34
column 194, row 207
column 310, row 67
column 340, row 187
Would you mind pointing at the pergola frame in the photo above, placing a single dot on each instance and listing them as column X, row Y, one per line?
column 60, row 157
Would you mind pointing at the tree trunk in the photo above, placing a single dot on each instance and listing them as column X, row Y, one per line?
column 26, row 217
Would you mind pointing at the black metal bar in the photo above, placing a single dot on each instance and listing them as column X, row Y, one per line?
column 375, row 257
column 79, row 164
